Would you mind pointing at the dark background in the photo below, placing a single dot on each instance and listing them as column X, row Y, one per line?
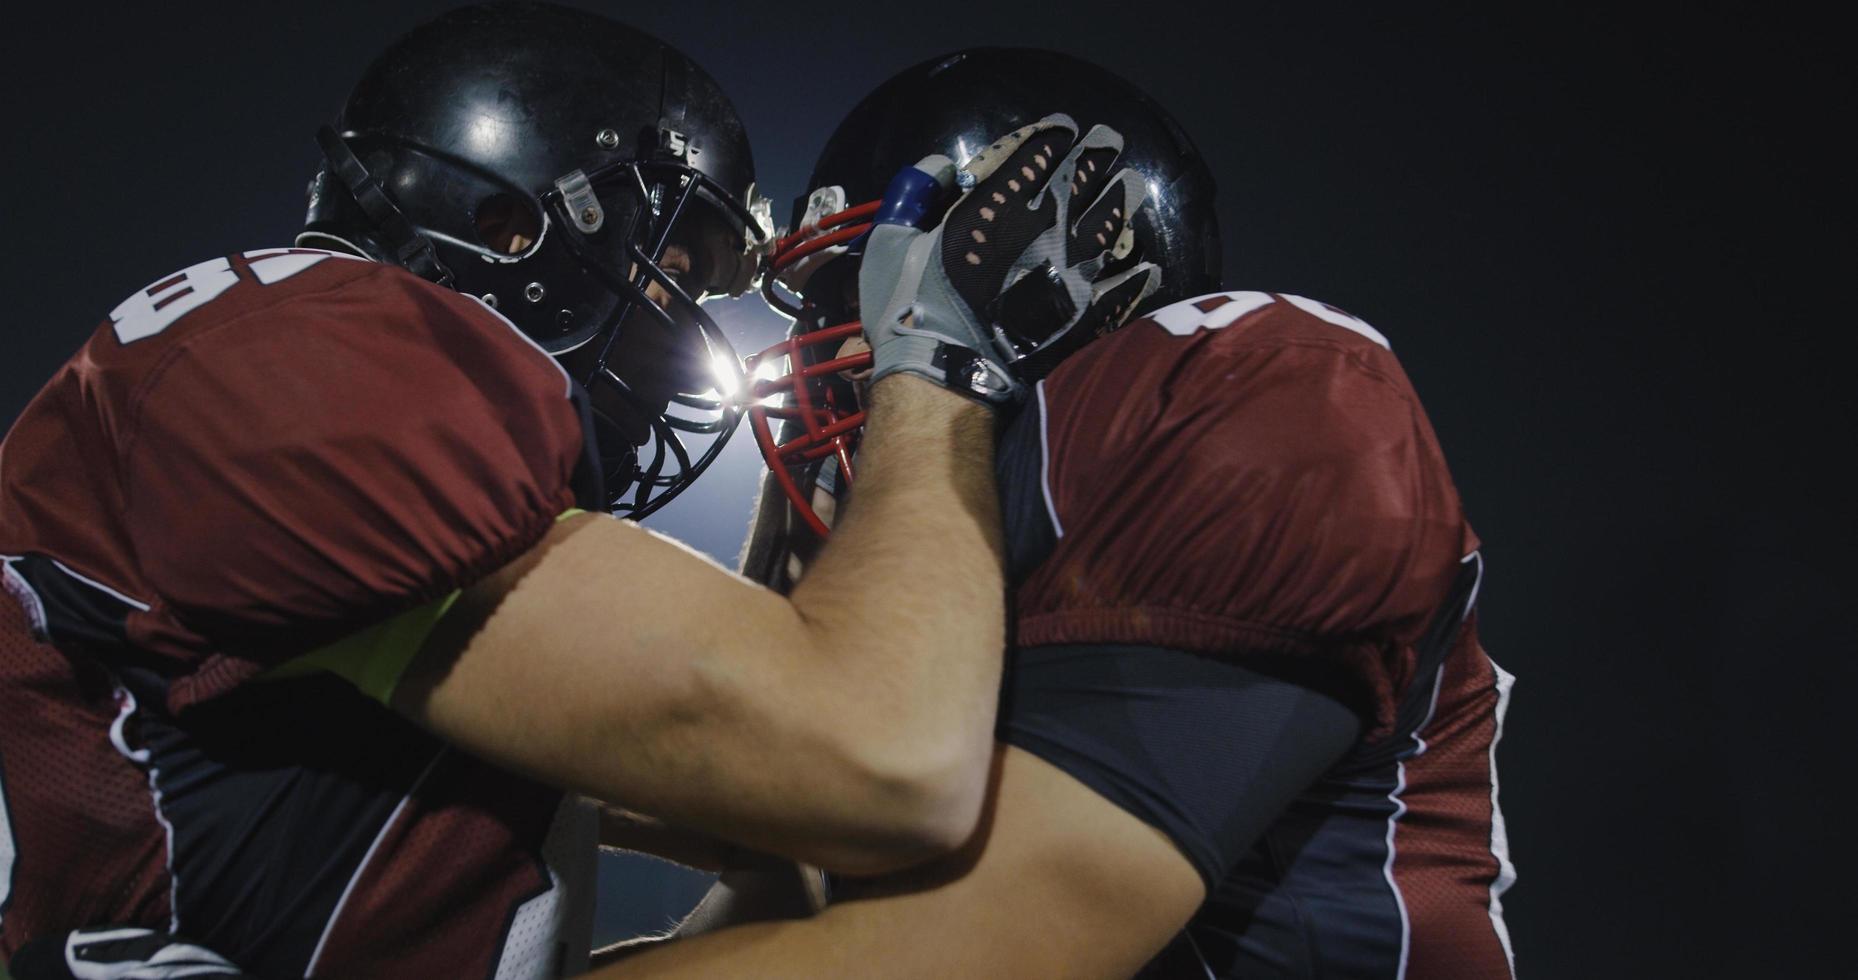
column 1607, row 246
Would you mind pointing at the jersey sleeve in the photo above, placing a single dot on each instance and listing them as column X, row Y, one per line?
column 1265, row 488
column 327, row 464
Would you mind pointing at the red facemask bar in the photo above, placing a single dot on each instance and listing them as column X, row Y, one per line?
column 801, row 390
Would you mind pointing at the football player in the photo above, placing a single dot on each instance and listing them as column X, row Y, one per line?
column 316, row 603
column 1247, row 728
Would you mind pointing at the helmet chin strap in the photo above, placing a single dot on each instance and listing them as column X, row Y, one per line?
column 407, row 248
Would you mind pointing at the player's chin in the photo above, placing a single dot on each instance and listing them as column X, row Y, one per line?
column 625, row 415
column 632, row 426
column 633, row 395
column 658, row 360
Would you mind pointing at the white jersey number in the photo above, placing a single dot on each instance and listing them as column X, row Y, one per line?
column 1182, row 319
column 155, row 308
column 150, row 311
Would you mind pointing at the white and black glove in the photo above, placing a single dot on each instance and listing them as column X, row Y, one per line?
column 1009, row 281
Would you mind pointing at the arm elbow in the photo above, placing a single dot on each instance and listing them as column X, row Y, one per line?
column 949, row 800
column 922, row 806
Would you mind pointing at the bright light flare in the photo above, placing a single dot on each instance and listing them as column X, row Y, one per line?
column 727, row 374
column 768, row 371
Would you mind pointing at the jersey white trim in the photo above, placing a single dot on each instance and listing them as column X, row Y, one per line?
column 1393, row 820
column 99, row 586
column 1499, row 833
column 171, row 960
column 274, row 265
column 1432, row 708
column 347, row 246
column 1199, row 954
column 9, row 850
column 1470, row 603
column 1387, row 869
column 1045, row 460
column 141, row 758
column 1419, row 749
column 27, row 597
column 341, row 903
column 1329, row 314
column 105, row 935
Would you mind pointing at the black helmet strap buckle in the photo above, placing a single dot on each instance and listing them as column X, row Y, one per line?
column 410, row 249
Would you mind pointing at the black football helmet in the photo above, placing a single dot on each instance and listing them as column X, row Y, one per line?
column 954, row 105
column 543, row 159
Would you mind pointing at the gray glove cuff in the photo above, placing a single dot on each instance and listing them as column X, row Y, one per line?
column 959, row 369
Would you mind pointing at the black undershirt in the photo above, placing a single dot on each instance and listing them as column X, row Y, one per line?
column 1204, row 750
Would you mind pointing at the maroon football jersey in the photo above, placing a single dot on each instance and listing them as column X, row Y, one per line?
column 251, row 459
column 1251, row 476
column 1245, row 472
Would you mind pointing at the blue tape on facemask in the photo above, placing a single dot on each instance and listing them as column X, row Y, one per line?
column 908, row 199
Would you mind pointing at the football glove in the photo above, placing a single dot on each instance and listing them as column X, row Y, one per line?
column 1011, row 278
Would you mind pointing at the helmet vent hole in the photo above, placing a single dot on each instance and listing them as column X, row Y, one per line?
column 506, row 224
column 490, row 300
column 534, row 292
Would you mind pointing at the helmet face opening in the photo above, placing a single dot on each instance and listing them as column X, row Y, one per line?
column 662, row 377
column 508, row 224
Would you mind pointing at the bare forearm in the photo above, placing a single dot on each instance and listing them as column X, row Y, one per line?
column 1057, row 882
column 835, row 945
column 907, row 597
column 865, row 714
column 847, row 726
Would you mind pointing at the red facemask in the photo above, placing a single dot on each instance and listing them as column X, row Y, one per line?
column 801, row 379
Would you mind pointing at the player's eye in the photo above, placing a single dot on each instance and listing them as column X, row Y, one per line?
column 691, row 279
column 690, row 260
column 505, row 225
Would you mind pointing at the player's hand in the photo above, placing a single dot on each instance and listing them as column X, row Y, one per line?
column 1012, row 278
